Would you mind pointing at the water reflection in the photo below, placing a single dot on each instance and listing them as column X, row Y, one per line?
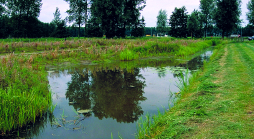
column 78, row 91
column 197, row 62
column 117, row 94
column 31, row 130
column 108, row 93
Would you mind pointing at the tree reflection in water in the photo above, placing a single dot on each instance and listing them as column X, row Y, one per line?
column 109, row 93
column 78, row 91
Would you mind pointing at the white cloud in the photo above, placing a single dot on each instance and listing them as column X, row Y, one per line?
column 49, row 7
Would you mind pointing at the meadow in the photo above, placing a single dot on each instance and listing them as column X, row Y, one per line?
column 101, row 50
column 24, row 92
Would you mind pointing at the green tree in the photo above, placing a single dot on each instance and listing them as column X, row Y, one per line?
column 178, row 22
column 78, row 12
column 227, row 15
column 193, row 23
column 24, row 16
column 250, row 14
column 138, row 29
column 2, row 9
column 60, row 30
column 4, row 20
column 57, row 17
column 162, row 21
column 207, row 8
column 112, row 17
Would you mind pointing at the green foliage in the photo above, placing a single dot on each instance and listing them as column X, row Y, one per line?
column 193, row 24
column 113, row 17
column 57, row 17
column 232, row 9
column 139, row 29
column 60, row 31
column 24, row 93
column 162, row 21
column 178, row 22
column 250, row 14
column 128, row 55
column 24, row 16
column 207, row 9
column 78, row 12
column 183, row 80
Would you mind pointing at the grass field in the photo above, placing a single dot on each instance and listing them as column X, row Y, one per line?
column 218, row 103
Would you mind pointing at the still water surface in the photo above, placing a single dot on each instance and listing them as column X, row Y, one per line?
column 114, row 98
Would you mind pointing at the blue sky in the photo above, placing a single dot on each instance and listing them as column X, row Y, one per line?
column 150, row 12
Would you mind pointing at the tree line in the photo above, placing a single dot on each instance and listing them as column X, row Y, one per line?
column 118, row 18
column 214, row 17
column 113, row 18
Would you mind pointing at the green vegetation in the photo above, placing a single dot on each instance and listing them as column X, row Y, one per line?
column 218, row 103
column 162, row 22
column 24, row 92
column 231, row 8
column 127, row 55
column 178, row 22
column 207, row 7
column 24, row 83
column 109, row 49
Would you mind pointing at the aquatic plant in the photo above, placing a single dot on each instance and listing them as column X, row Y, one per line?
column 128, row 55
column 183, row 80
column 24, row 93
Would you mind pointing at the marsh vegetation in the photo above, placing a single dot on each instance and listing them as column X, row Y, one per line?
column 24, row 82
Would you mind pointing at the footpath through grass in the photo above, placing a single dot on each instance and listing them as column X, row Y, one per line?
column 218, row 103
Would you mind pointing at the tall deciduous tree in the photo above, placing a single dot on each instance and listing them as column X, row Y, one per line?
column 178, row 22
column 112, row 17
column 78, row 12
column 24, row 16
column 250, row 14
column 207, row 8
column 162, row 21
column 227, row 15
column 138, row 29
column 193, row 23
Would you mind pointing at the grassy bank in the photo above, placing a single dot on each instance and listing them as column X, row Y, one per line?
column 218, row 103
column 24, row 93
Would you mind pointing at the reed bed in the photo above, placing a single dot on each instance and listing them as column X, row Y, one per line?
column 147, row 46
column 95, row 49
column 24, row 93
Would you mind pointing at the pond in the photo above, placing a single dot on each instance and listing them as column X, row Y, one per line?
column 100, row 101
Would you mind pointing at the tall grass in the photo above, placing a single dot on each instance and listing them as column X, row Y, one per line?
column 183, row 80
column 108, row 50
column 24, row 93
column 128, row 55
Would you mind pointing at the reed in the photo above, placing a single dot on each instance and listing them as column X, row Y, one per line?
column 24, row 93
column 128, row 55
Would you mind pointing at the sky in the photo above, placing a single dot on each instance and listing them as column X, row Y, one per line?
column 150, row 12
